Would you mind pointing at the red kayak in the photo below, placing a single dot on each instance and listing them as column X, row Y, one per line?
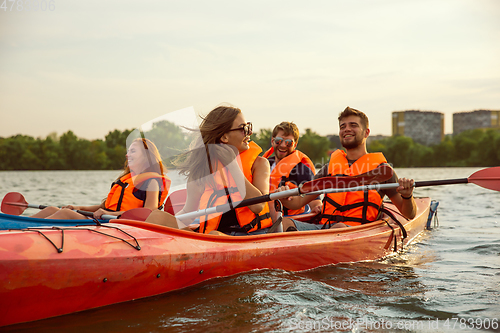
column 47, row 272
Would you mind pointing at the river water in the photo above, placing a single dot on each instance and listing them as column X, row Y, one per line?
column 448, row 280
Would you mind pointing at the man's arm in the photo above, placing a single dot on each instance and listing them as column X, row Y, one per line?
column 402, row 198
column 300, row 174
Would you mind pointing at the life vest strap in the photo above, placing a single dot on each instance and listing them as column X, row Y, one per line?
column 344, row 208
column 403, row 230
column 255, row 222
column 216, row 194
column 394, row 233
column 123, row 186
column 225, row 191
column 284, row 180
column 341, row 218
column 365, row 207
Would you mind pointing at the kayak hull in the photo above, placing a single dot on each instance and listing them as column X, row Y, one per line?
column 101, row 265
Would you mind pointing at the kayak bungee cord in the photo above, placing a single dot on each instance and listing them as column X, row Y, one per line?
column 60, row 249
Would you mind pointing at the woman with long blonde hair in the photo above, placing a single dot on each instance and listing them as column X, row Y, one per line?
column 225, row 136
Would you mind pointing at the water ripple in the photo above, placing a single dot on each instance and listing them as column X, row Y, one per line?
column 486, row 249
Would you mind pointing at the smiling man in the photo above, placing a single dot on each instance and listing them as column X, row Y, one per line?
column 353, row 208
column 289, row 166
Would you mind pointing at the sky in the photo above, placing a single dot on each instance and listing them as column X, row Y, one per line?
column 95, row 66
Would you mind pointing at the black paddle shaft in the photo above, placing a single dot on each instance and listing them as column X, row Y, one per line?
column 442, row 182
column 253, row 201
column 264, row 198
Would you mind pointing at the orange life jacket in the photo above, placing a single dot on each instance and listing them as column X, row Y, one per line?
column 121, row 196
column 352, row 208
column 225, row 188
column 280, row 175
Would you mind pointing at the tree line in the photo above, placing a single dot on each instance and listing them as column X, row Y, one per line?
column 468, row 149
column 68, row 152
column 473, row 148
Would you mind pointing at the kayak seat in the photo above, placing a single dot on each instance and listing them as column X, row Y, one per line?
column 175, row 201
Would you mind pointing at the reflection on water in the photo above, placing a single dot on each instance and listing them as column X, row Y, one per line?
column 450, row 272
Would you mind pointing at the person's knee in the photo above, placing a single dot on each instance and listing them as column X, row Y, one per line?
column 51, row 210
column 66, row 214
column 162, row 218
column 288, row 225
column 338, row 225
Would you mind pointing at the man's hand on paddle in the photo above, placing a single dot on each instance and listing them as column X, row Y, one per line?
column 316, row 206
column 405, row 187
column 294, row 202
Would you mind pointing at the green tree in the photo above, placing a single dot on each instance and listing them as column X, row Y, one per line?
column 314, row 145
column 98, row 158
column 487, row 151
column 464, row 144
column 117, row 138
column 443, row 153
column 16, row 154
column 334, row 142
column 419, row 156
column 116, row 142
column 399, row 149
column 263, row 138
column 51, row 154
column 76, row 152
column 21, row 152
column 170, row 139
column 377, row 146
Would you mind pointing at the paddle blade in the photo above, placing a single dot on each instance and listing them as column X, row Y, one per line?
column 14, row 203
column 175, row 201
column 376, row 176
column 488, row 178
column 138, row 214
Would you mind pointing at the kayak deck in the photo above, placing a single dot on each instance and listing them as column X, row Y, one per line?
column 91, row 266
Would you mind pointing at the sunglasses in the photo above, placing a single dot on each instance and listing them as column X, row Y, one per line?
column 247, row 129
column 278, row 140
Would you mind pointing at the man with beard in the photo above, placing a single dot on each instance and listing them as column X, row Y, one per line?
column 289, row 166
column 353, row 208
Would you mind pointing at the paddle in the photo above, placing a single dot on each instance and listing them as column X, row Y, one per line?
column 488, row 178
column 375, row 176
column 14, row 203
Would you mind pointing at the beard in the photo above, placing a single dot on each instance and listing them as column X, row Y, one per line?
column 352, row 144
